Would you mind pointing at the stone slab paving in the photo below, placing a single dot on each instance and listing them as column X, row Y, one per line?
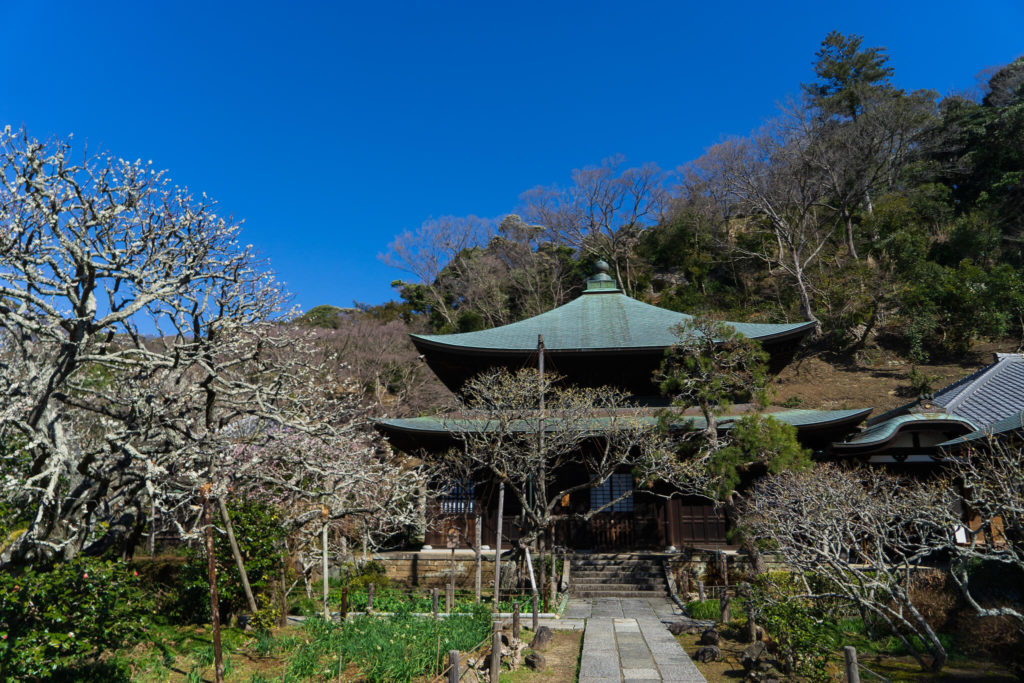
column 627, row 640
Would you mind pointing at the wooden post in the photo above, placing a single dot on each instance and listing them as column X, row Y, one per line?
column 434, row 600
column 751, row 622
column 552, row 580
column 497, row 546
column 477, row 559
column 535, row 617
column 700, row 591
column 211, row 569
column 516, row 625
column 726, row 615
column 451, row 583
column 449, row 599
column 344, row 603
column 542, row 558
column 852, row 672
column 326, row 569
column 684, row 582
column 453, row 666
column 152, row 527
column 496, row 653
column 369, row 598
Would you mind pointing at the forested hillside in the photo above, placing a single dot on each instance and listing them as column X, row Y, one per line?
column 893, row 219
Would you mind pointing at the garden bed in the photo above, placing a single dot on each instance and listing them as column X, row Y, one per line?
column 401, row 648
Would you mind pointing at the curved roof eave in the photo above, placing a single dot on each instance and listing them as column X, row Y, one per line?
column 881, row 434
column 484, row 343
column 799, row 418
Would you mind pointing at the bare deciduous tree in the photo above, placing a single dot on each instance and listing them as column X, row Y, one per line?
column 861, row 535
column 437, row 245
column 766, row 179
column 511, row 437
column 135, row 331
column 604, row 211
column 993, row 492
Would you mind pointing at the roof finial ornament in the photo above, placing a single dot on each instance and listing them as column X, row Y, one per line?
column 602, row 281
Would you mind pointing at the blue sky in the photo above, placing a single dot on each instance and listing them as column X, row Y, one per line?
column 332, row 127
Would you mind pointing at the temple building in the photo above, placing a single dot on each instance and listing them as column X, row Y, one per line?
column 601, row 338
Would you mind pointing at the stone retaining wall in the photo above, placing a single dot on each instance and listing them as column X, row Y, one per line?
column 431, row 568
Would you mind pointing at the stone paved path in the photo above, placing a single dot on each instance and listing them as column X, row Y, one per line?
column 627, row 640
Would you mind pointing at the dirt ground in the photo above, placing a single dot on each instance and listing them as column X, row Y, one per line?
column 873, row 378
column 729, row 669
column 563, row 656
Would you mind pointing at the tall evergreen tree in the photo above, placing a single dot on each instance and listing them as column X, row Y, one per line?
column 849, row 76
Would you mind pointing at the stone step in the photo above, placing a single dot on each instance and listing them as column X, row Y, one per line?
column 617, row 587
column 620, row 570
column 577, row 581
column 599, row 584
column 617, row 572
column 620, row 594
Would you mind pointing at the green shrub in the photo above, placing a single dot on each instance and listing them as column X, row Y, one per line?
column 266, row 616
column 57, row 621
column 704, row 609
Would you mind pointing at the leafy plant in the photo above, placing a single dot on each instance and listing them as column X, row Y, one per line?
column 704, row 609
column 67, row 615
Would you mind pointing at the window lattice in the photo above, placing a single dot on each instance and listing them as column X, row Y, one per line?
column 617, row 485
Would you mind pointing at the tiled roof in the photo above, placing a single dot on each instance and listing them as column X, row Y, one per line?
column 598, row 320
column 989, row 394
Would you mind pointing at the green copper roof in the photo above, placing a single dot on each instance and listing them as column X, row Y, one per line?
column 882, row 431
column 598, row 319
column 797, row 418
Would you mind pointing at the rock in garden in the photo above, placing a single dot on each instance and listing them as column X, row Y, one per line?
column 542, row 638
column 710, row 637
column 536, row 661
column 752, row 655
column 708, row 653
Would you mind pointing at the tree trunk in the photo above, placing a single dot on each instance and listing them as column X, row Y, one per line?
column 806, row 308
column 477, row 561
column 850, row 245
column 747, row 542
column 211, row 568
column 326, row 572
column 497, row 546
column 542, row 557
column 237, row 554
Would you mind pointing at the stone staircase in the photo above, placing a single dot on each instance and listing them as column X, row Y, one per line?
column 617, row 576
